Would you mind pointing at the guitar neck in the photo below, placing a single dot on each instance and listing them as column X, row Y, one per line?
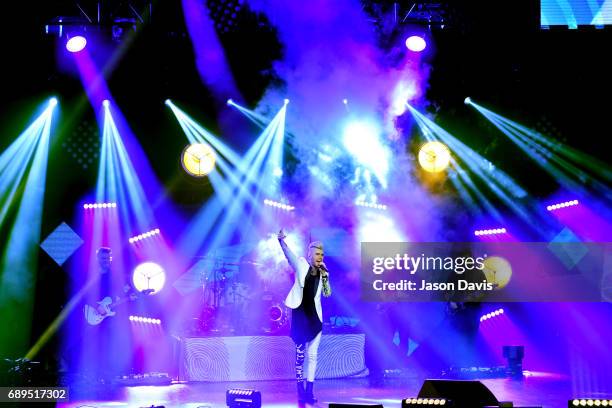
column 119, row 302
column 128, row 297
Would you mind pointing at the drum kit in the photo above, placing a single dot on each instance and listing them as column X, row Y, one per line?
column 230, row 306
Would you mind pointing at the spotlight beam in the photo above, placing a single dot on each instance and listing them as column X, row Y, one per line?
column 19, row 261
column 229, row 223
column 20, row 151
column 269, row 181
column 541, row 156
column 463, row 178
column 226, row 157
column 502, row 185
column 253, row 116
column 197, row 134
column 118, row 180
column 562, row 162
column 597, row 166
column 239, row 186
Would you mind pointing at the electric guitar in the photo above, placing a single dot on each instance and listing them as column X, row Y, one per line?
column 94, row 315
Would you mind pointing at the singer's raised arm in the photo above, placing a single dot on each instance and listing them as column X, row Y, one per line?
column 291, row 258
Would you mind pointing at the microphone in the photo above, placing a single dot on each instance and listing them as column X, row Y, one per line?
column 323, row 268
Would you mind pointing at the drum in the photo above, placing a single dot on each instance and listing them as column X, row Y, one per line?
column 236, row 294
column 207, row 318
column 278, row 315
column 277, row 312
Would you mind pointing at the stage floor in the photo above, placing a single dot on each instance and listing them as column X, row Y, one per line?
column 538, row 389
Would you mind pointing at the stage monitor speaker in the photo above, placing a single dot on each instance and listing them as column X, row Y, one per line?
column 332, row 405
column 242, row 398
column 463, row 394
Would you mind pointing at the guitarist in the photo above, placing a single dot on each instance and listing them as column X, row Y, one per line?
column 105, row 347
column 107, row 284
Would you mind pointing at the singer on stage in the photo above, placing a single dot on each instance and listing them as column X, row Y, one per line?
column 311, row 279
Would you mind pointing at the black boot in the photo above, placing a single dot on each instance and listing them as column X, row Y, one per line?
column 309, row 396
column 300, row 391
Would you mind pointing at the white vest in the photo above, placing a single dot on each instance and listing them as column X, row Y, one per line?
column 294, row 297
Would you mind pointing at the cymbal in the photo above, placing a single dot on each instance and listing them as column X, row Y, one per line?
column 243, row 263
column 225, row 260
column 252, row 263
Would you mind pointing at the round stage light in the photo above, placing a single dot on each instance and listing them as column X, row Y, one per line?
column 106, row 103
column 76, row 43
column 147, row 276
column 498, row 271
column 434, row 157
column 198, row 159
column 467, row 100
column 53, row 102
column 416, row 43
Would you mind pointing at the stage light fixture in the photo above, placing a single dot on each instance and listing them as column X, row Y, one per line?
column 589, row 402
column 488, row 316
column 467, row 100
column 493, row 231
column 363, row 141
column 514, row 355
column 416, row 43
column 345, row 101
column 564, row 204
column 144, row 235
column 377, row 206
column 286, row 101
column 148, row 320
column 282, row 206
column 106, row 103
column 76, row 43
column 498, row 272
column 434, row 157
column 456, row 393
column 241, row 398
column 198, row 159
column 147, row 276
column 53, row 102
column 121, row 25
column 95, row 206
column 426, row 402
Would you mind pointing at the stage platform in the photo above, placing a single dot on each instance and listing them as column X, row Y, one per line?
column 257, row 358
column 537, row 389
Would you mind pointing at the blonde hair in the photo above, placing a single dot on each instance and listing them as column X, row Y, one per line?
column 315, row 245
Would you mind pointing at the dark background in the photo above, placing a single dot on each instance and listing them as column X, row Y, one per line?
column 556, row 81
